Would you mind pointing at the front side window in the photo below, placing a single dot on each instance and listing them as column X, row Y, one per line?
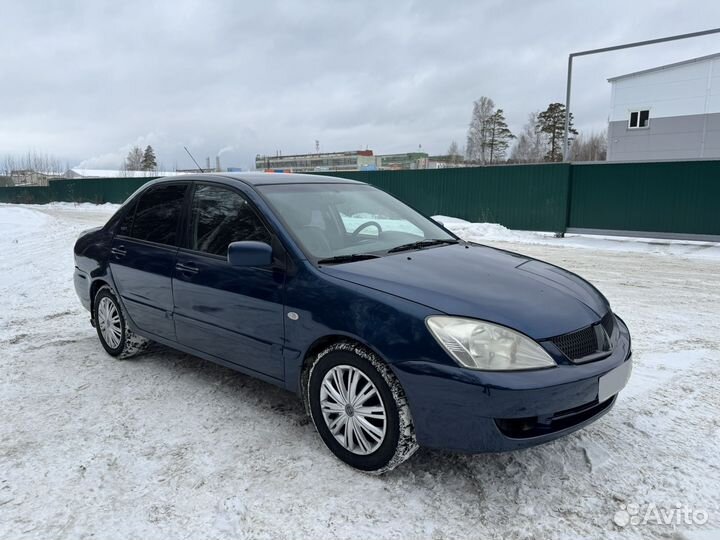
column 158, row 212
column 639, row 119
column 221, row 216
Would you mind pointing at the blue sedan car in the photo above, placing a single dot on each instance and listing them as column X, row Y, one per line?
column 394, row 332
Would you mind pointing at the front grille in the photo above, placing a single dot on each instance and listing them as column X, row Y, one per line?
column 576, row 345
column 589, row 343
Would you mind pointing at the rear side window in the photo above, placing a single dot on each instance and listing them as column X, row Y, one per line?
column 157, row 215
column 125, row 226
column 221, row 216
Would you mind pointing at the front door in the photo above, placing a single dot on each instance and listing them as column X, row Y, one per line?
column 233, row 313
column 142, row 258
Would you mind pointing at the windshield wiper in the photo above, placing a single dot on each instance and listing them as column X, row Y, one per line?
column 348, row 258
column 421, row 244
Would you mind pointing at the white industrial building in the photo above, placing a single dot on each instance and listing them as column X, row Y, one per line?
column 113, row 173
column 667, row 112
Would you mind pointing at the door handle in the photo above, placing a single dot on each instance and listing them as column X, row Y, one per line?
column 118, row 251
column 187, row 268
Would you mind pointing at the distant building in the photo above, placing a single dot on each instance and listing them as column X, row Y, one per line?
column 114, row 173
column 667, row 112
column 354, row 160
column 29, row 177
column 412, row 160
column 332, row 161
column 445, row 161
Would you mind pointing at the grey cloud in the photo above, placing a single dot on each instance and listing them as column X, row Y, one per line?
column 85, row 80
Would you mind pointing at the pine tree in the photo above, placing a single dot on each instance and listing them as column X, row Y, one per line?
column 499, row 137
column 149, row 163
column 551, row 122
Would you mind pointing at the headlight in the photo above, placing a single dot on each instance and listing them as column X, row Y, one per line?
column 482, row 345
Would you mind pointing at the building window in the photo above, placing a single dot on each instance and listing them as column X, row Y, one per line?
column 639, row 119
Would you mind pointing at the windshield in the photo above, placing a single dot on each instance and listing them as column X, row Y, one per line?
column 342, row 220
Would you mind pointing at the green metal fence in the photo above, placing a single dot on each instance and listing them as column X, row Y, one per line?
column 94, row 190
column 666, row 198
column 527, row 197
column 680, row 198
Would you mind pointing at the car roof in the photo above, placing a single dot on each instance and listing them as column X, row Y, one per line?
column 263, row 178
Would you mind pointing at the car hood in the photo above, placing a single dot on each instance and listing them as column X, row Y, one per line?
column 536, row 298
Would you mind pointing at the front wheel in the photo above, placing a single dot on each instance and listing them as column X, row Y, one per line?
column 359, row 409
column 116, row 338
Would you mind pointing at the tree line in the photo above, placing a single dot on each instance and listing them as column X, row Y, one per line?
column 490, row 140
column 33, row 161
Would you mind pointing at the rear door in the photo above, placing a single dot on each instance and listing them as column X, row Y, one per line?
column 142, row 258
column 233, row 313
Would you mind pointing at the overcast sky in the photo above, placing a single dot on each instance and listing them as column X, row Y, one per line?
column 85, row 81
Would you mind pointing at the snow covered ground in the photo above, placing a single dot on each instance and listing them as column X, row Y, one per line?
column 168, row 446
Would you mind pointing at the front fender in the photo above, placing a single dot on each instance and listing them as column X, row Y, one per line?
column 392, row 327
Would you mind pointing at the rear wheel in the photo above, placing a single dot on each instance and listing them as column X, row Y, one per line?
column 359, row 409
column 116, row 338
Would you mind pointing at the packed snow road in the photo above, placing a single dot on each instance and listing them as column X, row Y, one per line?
column 169, row 446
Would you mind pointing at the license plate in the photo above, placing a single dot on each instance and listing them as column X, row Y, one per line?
column 614, row 381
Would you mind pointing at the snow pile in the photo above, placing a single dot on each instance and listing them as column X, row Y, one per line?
column 82, row 207
column 480, row 232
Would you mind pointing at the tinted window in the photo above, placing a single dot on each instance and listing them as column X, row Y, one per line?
column 221, row 216
column 157, row 215
column 125, row 226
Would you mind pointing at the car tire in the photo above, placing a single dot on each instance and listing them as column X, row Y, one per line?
column 359, row 409
column 115, row 336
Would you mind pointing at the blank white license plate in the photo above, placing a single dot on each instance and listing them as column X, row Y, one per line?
column 614, row 381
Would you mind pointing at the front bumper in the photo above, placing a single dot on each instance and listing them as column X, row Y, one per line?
column 470, row 411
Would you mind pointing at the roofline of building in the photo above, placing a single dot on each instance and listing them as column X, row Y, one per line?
column 666, row 66
column 364, row 153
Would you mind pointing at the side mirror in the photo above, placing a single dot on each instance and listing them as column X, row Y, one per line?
column 249, row 253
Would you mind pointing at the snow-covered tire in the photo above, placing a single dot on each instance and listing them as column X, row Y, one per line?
column 349, row 362
column 116, row 338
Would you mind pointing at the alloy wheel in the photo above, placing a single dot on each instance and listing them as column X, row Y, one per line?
column 353, row 409
column 109, row 322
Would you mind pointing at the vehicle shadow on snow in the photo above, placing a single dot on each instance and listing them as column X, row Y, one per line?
column 548, row 465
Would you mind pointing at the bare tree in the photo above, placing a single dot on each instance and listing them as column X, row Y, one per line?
column 531, row 146
column 454, row 154
column 478, row 133
column 32, row 168
column 592, row 147
column 134, row 160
